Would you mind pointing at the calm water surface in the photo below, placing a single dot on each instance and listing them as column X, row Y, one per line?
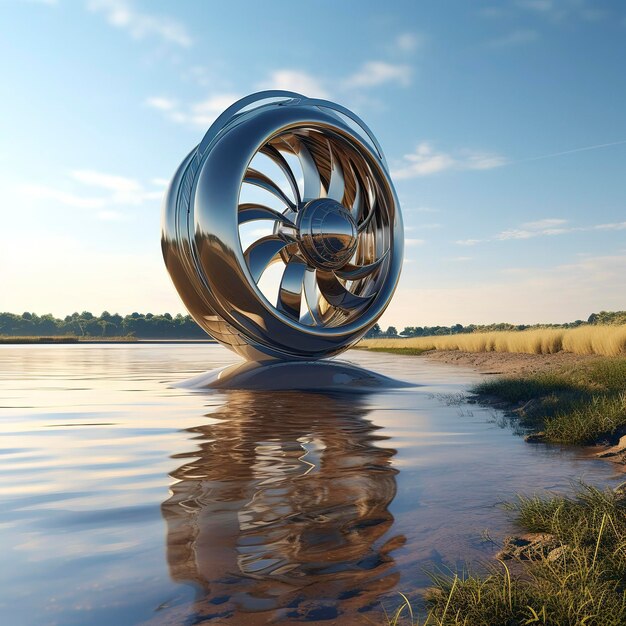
column 124, row 500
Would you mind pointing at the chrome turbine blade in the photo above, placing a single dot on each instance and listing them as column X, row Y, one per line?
column 332, row 225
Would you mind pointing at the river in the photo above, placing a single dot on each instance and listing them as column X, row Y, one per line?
column 125, row 499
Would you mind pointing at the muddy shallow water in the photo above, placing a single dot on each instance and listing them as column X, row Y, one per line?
column 127, row 500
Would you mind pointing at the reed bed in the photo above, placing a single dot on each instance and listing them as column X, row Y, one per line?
column 600, row 340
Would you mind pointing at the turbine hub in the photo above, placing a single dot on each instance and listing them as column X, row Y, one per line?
column 327, row 233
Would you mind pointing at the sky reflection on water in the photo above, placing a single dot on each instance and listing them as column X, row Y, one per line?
column 125, row 500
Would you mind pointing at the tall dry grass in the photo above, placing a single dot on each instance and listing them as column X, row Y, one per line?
column 601, row 340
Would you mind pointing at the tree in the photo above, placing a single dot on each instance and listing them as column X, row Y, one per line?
column 392, row 331
column 374, row 331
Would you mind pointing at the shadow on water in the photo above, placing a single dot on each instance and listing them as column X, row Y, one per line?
column 282, row 510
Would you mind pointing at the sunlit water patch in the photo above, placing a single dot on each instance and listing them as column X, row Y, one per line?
column 125, row 499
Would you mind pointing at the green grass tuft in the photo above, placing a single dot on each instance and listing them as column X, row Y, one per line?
column 407, row 351
column 582, row 581
column 582, row 404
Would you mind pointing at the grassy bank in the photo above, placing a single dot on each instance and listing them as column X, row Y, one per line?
column 571, row 571
column 601, row 340
column 581, row 404
column 396, row 350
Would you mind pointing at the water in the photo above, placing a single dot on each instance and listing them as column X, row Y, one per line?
column 124, row 500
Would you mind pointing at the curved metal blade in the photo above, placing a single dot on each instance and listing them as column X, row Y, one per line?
column 262, row 253
column 291, row 287
column 366, row 222
column 280, row 160
column 314, row 315
column 337, row 184
column 358, row 203
column 317, row 147
column 249, row 212
column 254, row 177
column 354, row 272
column 369, row 202
column 337, row 295
column 310, row 174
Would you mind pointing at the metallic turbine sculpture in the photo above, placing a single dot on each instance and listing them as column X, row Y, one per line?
column 281, row 178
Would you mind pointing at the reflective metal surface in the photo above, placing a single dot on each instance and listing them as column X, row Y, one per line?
column 283, row 179
column 321, row 376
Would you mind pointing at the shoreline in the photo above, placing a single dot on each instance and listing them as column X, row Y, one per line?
column 562, row 556
column 524, row 368
column 64, row 341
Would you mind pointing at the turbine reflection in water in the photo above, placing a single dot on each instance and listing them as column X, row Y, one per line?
column 284, row 508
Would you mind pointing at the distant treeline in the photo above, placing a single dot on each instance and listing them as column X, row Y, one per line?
column 604, row 317
column 85, row 324
column 166, row 326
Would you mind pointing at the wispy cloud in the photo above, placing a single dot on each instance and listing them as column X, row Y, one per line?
column 96, row 191
column 355, row 87
column 124, row 15
column 375, row 73
column 426, row 160
column 549, row 222
column 521, row 233
column 414, row 242
column 539, row 228
column 408, row 42
column 558, row 10
column 514, row 38
column 162, row 104
column 554, row 11
column 611, row 226
column 543, row 228
column 37, row 191
column 199, row 115
column 121, row 190
column 295, row 80
column 203, row 113
column 468, row 242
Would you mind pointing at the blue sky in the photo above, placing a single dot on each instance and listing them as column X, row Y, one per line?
column 503, row 124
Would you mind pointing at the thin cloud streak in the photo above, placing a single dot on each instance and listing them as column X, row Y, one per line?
column 573, row 151
column 542, row 228
column 121, row 14
column 376, row 73
column 426, row 160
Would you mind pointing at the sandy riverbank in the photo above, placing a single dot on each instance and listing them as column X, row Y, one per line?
column 509, row 363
